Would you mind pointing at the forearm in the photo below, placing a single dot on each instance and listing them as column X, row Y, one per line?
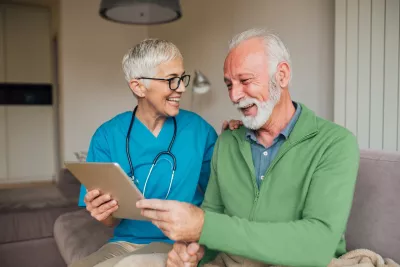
column 299, row 243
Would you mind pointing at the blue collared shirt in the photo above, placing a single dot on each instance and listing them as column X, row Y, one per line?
column 262, row 156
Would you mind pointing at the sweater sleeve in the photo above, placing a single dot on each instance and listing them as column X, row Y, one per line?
column 205, row 167
column 212, row 201
column 311, row 241
column 212, row 198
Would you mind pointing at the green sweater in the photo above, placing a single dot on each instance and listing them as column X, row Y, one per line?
column 298, row 216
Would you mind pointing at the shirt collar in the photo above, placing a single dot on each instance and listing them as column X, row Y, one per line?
column 251, row 135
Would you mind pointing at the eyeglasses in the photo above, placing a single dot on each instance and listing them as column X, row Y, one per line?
column 173, row 82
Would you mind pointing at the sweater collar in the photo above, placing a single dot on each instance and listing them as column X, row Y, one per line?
column 305, row 126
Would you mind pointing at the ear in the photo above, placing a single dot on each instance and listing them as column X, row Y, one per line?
column 137, row 88
column 282, row 75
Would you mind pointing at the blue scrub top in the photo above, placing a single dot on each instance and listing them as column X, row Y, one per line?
column 193, row 148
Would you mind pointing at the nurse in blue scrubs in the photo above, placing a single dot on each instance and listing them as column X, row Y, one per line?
column 155, row 73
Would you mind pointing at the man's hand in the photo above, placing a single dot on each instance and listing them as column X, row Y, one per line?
column 183, row 255
column 232, row 125
column 100, row 206
column 178, row 220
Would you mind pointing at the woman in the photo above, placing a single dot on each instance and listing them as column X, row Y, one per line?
column 155, row 74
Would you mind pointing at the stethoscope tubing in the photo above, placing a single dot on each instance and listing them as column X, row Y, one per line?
column 168, row 152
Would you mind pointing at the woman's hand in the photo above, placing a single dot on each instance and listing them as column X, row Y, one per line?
column 101, row 206
column 232, row 125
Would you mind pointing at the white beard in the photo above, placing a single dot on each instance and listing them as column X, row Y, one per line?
column 264, row 109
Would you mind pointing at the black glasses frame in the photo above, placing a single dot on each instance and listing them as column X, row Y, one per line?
column 170, row 80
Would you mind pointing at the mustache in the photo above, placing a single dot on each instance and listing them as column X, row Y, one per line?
column 246, row 102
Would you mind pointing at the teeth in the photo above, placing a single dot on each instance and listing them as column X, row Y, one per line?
column 247, row 106
column 175, row 99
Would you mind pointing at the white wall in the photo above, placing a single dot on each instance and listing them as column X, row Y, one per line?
column 52, row 4
column 92, row 87
column 306, row 26
column 367, row 99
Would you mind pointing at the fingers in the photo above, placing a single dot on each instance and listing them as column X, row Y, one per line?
column 107, row 206
column 100, row 206
column 104, row 215
column 193, row 248
column 94, row 198
column 234, row 124
column 178, row 256
column 91, row 195
column 200, row 253
column 225, row 125
column 173, row 259
column 97, row 202
column 185, row 256
column 156, row 215
column 154, row 204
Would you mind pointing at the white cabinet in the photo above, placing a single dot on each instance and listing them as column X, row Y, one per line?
column 27, row 40
column 2, row 52
column 30, row 143
column 27, row 146
column 3, row 144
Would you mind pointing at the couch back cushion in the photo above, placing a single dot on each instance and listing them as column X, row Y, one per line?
column 374, row 221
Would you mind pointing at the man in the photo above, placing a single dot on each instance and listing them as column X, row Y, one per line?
column 281, row 187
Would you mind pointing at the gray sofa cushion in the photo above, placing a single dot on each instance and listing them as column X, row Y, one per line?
column 77, row 235
column 34, row 253
column 32, row 198
column 30, row 213
column 29, row 224
column 374, row 222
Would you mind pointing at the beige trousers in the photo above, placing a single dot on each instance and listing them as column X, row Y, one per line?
column 124, row 254
column 226, row 260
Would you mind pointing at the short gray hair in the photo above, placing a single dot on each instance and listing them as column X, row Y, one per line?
column 275, row 49
column 143, row 59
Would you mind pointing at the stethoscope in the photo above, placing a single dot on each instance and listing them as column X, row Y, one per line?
column 168, row 152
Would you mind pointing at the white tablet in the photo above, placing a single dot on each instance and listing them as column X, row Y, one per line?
column 109, row 178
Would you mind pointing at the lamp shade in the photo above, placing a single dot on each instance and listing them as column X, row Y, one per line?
column 201, row 85
column 141, row 12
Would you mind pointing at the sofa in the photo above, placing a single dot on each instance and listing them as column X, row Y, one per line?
column 27, row 217
column 43, row 226
column 374, row 221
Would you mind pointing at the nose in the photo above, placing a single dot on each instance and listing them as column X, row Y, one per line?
column 181, row 88
column 236, row 93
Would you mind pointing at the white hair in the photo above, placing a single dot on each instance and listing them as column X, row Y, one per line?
column 275, row 49
column 143, row 59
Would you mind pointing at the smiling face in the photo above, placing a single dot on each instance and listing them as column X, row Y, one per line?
column 246, row 75
column 157, row 98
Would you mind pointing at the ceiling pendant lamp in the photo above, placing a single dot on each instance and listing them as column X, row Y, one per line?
column 140, row 12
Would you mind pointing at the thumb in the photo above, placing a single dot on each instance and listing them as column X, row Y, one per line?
column 193, row 248
column 225, row 125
